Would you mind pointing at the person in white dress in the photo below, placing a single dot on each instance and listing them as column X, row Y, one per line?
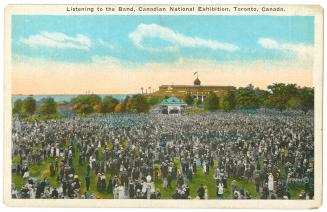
column 217, row 174
column 220, row 190
column 91, row 161
column 57, row 152
column 148, row 187
column 271, row 182
column 204, row 167
column 121, row 192
column 116, row 192
column 26, row 175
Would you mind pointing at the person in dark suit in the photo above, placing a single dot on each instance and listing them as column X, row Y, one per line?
column 201, row 192
column 54, row 193
column 87, row 182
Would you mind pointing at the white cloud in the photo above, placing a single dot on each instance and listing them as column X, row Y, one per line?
column 300, row 50
column 175, row 39
column 57, row 40
column 105, row 44
column 268, row 43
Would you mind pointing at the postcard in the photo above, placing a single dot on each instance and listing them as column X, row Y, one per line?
column 173, row 106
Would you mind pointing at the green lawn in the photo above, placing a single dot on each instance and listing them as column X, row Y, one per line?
column 207, row 180
column 295, row 190
column 42, row 170
column 81, row 172
column 165, row 193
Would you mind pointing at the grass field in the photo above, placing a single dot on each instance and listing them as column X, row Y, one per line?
column 42, row 170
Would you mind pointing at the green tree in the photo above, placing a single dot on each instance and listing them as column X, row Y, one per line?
column 246, row 98
column 83, row 108
column 228, row 101
column 153, row 100
column 18, row 107
column 48, row 106
column 99, row 108
column 294, row 103
column 86, row 104
column 125, row 106
column 262, row 96
column 109, row 104
column 306, row 95
column 197, row 102
column 280, row 94
column 139, row 104
column 188, row 99
column 118, row 108
column 211, row 103
column 29, row 105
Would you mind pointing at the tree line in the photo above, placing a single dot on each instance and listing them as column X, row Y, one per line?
column 28, row 106
column 84, row 104
column 278, row 96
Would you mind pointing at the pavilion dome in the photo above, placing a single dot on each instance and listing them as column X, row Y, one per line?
column 197, row 82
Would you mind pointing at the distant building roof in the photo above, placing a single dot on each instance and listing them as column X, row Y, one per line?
column 192, row 86
column 173, row 100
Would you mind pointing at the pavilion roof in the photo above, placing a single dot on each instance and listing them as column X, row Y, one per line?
column 173, row 100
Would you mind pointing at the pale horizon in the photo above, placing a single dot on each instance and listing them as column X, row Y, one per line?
column 119, row 79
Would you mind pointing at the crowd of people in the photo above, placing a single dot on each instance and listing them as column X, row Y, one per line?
column 127, row 155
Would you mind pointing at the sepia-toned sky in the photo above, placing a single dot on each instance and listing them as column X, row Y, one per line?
column 121, row 54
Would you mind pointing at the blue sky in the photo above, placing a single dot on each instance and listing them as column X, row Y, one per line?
column 157, row 39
